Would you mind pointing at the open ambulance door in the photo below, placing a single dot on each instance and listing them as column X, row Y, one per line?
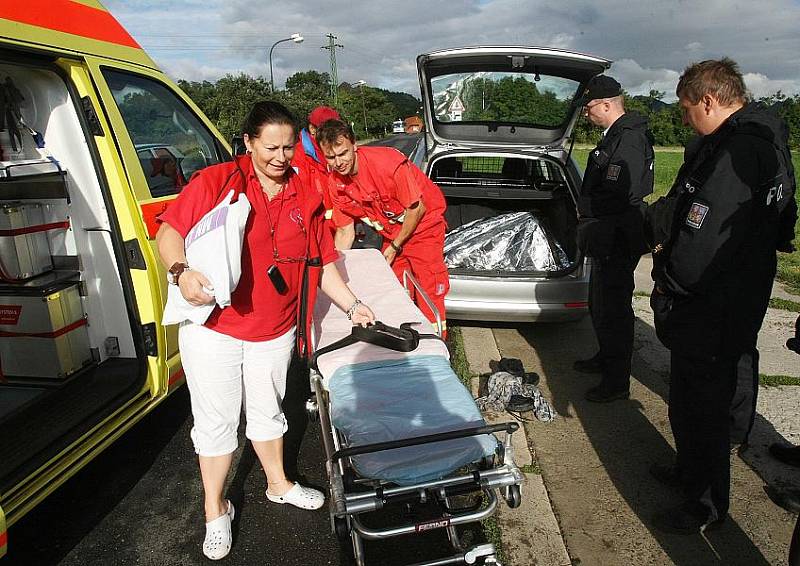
column 76, row 354
column 163, row 139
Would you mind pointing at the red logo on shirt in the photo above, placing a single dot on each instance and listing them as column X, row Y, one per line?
column 296, row 216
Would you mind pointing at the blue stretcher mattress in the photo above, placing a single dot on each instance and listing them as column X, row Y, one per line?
column 396, row 399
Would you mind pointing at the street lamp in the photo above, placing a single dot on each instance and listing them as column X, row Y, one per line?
column 295, row 37
column 363, row 104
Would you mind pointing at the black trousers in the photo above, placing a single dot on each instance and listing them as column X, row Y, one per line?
column 700, row 394
column 743, row 406
column 610, row 294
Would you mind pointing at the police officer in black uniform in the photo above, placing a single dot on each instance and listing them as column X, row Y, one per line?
column 715, row 238
column 618, row 175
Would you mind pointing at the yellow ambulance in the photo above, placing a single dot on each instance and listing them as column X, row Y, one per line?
column 95, row 141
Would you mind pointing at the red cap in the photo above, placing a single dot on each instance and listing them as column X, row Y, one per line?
column 322, row 114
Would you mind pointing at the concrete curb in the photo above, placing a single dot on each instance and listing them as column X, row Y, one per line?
column 530, row 533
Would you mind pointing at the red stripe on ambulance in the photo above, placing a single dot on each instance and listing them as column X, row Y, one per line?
column 150, row 212
column 175, row 377
column 69, row 17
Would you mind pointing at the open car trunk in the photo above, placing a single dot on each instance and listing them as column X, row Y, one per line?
column 508, row 215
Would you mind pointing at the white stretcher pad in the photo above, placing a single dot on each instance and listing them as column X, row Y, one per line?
column 373, row 281
column 379, row 395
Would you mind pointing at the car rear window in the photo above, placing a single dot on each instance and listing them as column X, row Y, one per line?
column 517, row 98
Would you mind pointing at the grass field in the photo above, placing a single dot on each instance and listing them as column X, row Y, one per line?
column 668, row 161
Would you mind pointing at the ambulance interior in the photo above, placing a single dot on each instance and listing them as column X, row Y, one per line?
column 67, row 350
column 507, row 215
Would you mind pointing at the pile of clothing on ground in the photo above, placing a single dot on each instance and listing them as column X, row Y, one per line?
column 510, row 388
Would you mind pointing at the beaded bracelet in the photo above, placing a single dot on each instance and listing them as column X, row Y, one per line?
column 352, row 310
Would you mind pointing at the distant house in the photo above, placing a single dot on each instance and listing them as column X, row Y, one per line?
column 413, row 125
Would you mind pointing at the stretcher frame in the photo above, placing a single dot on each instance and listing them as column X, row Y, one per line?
column 352, row 496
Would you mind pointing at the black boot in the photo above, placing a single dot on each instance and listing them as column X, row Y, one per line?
column 787, row 498
column 786, row 453
column 605, row 393
column 668, row 475
column 689, row 518
column 592, row 365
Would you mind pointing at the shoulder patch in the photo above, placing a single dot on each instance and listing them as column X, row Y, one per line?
column 613, row 172
column 697, row 214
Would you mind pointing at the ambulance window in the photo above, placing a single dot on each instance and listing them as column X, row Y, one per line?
column 171, row 142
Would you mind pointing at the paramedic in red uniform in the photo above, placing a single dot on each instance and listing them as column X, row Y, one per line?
column 308, row 158
column 380, row 187
column 243, row 352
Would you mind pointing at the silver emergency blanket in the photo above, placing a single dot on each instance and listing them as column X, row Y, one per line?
column 502, row 385
column 516, row 241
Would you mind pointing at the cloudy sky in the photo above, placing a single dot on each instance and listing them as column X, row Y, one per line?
column 649, row 41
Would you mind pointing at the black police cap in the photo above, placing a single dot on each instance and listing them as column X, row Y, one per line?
column 601, row 86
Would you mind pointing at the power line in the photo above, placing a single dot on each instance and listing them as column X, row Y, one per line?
column 332, row 45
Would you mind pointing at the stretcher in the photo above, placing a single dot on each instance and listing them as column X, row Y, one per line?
column 399, row 429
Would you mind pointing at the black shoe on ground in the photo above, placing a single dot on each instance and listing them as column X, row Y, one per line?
column 511, row 365
column 530, row 378
column 789, row 499
column 667, row 475
column 605, row 394
column 687, row 519
column 786, row 453
column 592, row 365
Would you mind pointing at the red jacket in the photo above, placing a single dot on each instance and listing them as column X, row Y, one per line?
column 310, row 164
column 385, row 186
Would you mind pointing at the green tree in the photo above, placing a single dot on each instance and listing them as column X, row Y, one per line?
column 358, row 102
column 228, row 101
column 404, row 104
column 305, row 91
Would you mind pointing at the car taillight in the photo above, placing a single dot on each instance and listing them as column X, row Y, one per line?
column 576, row 305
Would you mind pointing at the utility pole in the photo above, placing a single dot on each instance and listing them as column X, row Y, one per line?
column 332, row 45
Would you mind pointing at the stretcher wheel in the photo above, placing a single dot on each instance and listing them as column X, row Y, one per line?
column 342, row 527
column 513, row 496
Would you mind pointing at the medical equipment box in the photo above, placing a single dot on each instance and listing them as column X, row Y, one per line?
column 24, row 249
column 43, row 329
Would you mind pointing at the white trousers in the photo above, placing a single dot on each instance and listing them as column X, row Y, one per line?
column 220, row 372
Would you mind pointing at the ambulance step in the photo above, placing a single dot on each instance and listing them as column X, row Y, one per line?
column 45, row 427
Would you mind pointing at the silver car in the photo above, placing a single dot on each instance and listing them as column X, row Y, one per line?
column 498, row 124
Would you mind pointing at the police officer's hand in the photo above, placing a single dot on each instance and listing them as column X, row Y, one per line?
column 389, row 253
column 194, row 286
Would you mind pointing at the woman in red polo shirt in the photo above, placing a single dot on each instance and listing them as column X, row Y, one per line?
column 244, row 350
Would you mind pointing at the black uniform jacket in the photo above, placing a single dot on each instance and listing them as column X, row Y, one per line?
column 619, row 174
column 732, row 203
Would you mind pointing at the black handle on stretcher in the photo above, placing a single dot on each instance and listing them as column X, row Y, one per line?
column 427, row 439
column 403, row 339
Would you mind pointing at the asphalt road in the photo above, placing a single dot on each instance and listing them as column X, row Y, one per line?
column 403, row 142
column 140, row 503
